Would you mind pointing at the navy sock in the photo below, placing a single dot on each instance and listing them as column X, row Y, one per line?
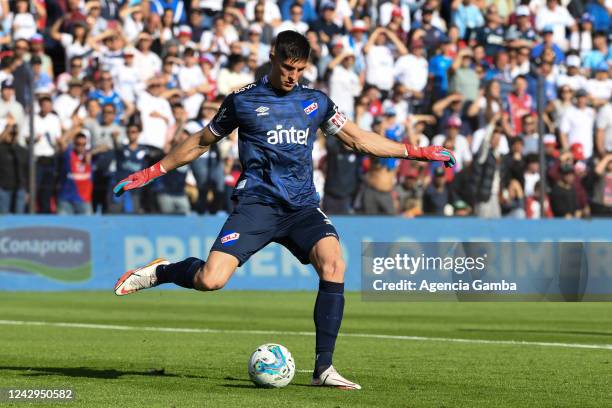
column 328, row 311
column 180, row 273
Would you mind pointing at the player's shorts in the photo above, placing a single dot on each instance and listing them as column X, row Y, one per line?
column 251, row 227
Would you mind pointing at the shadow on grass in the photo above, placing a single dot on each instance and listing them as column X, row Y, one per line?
column 100, row 373
column 576, row 332
column 253, row 387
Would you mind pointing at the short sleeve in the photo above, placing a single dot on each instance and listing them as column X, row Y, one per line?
column 333, row 120
column 226, row 119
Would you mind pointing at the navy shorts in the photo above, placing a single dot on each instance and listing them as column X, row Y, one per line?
column 252, row 226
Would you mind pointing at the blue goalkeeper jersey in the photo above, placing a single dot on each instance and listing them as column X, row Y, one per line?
column 276, row 133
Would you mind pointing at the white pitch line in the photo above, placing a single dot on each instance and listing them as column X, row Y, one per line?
column 301, row 333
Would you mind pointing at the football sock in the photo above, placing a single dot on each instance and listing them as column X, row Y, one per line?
column 328, row 311
column 180, row 273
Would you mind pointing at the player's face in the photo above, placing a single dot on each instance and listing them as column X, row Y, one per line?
column 286, row 74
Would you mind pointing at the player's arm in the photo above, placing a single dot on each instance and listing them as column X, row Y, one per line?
column 224, row 122
column 183, row 153
column 372, row 143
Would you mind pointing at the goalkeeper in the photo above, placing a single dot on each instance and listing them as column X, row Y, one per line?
column 277, row 121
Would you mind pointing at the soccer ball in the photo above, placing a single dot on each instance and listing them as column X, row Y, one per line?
column 271, row 366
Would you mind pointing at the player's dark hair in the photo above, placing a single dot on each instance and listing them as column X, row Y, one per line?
column 291, row 45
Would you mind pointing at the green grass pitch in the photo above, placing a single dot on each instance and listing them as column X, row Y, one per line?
column 113, row 368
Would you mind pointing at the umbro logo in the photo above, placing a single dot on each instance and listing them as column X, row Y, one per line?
column 262, row 111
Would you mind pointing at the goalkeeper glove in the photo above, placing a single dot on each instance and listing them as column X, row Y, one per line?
column 139, row 179
column 431, row 153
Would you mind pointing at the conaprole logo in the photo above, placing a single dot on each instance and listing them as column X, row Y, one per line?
column 61, row 254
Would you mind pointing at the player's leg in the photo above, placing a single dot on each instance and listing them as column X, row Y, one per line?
column 245, row 232
column 326, row 258
column 312, row 238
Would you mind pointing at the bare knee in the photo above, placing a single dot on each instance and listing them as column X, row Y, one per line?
column 332, row 270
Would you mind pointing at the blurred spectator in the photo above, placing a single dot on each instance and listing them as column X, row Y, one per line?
column 192, row 82
column 294, row 22
column 519, row 105
column 486, row 173
column 437, row 195
column 129, row 158
column 573, row 79
column 42, row 81
column 102, row 157
column 461, row 209
column 37, row 49
column 576, row 128
column 501, row 72
column 512, row 200
column 75, row 44
column 10, row 107
column 377, row 193
column 603, row 136
column 233, row 77
column 156, row 116
column 557, row 19
column 439, row 66
column 529, row 134
column 409, row 193
column 522, row 33
column 74, row 71
column 432, row 34
column 513, row 163
column 326, row 27
column 147, row 62
column 13, row 167
column 342, row 177
column 563, row 197
column 21, row 22
column 344, row 84
column 21, row 71
column 69, row 106
column 600, row 12
column 106, row 94
column 492, row 34
column 464, row 79
column 208, row 169
column 532, row 205
column 380, row 58
column 48, row 128
column 177, row 7
column 467, row 17
column 412, row 70
column 172, row 198
column 599, row 88
column 601, row 204
column 601, row 52
column 75, row 180
column 548, row 44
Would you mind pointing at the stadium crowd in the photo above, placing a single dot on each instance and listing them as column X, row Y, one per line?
column 117, row 83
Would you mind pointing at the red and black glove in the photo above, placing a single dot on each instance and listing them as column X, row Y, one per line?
column 139, row 179
column 430, row 153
